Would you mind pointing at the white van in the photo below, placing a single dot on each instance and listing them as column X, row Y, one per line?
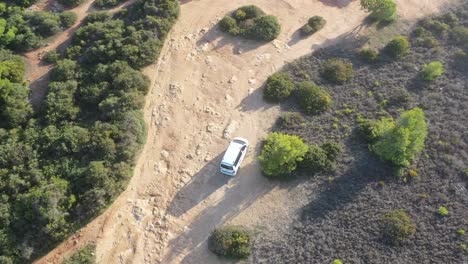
column 234, row 155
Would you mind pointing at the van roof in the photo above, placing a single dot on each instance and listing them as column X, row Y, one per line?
column 231, row 153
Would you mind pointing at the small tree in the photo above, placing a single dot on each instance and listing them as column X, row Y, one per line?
column 281, row 153
column 397, row 226
column 337, row 70
column 432, row 70
column 278, row 87
column 230, row 242
column 369, row 55
column 265, row 28
column 381, row 10
column 314, row 24
column 398, row 47
column 312, row 98
column 400, row 144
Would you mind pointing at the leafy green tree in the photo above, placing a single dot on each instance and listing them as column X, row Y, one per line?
column 59, row 102
column 432, row 70
column 400, row 144
column 382, row 10
column 337, row 70
column 264, row 28
column 65, row 70
column 398, row 47
column 281, row 153
column 14, row 106
column 231, row 241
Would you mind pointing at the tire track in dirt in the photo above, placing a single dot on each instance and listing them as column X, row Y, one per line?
column 203, row 82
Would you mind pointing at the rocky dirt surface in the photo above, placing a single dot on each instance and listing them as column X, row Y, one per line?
column 206, row 89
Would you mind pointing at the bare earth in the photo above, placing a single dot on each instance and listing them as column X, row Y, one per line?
column 205, row 84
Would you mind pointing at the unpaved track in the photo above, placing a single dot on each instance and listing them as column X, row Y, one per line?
column 204, row 81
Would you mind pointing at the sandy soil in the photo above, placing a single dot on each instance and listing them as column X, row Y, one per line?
column 205, row 91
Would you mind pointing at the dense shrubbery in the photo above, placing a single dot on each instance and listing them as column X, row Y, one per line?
column 51, row 56
column 432, row 70
column 70, row 3
column 313, row 25
column 75, row 156
column 397, row 226
column 337, row 70
column 278, row 87
column 22, row 30
column 252, row 23
column 312, row 99
column 398, row 47
column 369, row 55
column 397, row 142
column 107, row 3
column 231, row 242
column 281, row 153
column 380, row 10
column 83, row 256
column 320, row 158
column 67, row 19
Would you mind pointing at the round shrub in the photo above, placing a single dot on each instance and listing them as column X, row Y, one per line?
column 67, row 19
column 229, row 25
column 398, row 47
column 312, row 99
column 337, row 70
column 397, row 226
column 278, row 87
column 432, row 70
column 64, row 71
column 290, row 120
column 369, row 55
column 264, row 28
column 443, row 211
column 230, row 242
column 382, row 10
column 316, row 160
column 314, row 24
column 51, row 56
column 281, row 153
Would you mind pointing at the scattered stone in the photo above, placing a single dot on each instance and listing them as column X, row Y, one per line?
column 211, row 127
column 230, row 128
column 252, row 81
column 198, row 150
column 164, row 154
column 250, row 91
column 160, row 167
column 233, row 79
column 137, row 213
column 228, row 97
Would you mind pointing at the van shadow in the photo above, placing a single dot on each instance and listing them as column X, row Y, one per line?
column 296, row 37
column 203, row 184
column 226, row 201
column 219, row 39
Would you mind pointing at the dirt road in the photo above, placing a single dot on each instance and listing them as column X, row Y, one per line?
column 206, row 90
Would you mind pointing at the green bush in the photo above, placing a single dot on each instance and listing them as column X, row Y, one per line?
column 98, row 16
column 320, row 158
column 252, row 23
column 86, row 255
column 291, row 120
column 278, row 87
column 67, row 19
column 281, row 153
column 369, row 55
column 337, row 261
column 400, row 143
column 427, row 42
column 337, row 70
column 71, row 3
column 107, row 3
column 312, row 98
column 372, row 130
column 381, row 10
column 397, row 226
column 437, row 27
column 443, row 211
column 313, row 25
column 65, row 70
column 460, row 35
column 264, row 28
column 398, row 47
column 51, row 56
column 432, row 70
column 231, row 242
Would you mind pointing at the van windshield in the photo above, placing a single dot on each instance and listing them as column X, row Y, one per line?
column 226, row 167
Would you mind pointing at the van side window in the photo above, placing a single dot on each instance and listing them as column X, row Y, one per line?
column 238, row 157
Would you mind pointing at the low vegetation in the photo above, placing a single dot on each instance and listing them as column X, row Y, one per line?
column 397, row 226
column 369, row 55
column 107, row 3
column 85, row 255
column 230, row 242
column 313, row 25
column 281, row 153
column 291, row 120
column 443, row 211
column 252, row 23
column 70, row 3
column 64, row 163
column 320, row 158
column 337, row 70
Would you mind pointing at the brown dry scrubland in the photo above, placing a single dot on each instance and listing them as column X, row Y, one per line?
column 205, row 90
